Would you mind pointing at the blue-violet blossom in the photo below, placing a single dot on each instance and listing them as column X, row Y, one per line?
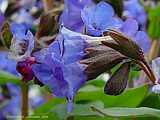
column 98, row 18
column 58, row 67
column 133, row 9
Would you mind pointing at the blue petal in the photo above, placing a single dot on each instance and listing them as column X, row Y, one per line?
column 137, row 12
column 51, row 74
column 75, row 76
column 19, row 30
column 130, row 27
column 73, row 48
column 143, row 41
column 71, row 16
column 97, row 21
column 103, row 12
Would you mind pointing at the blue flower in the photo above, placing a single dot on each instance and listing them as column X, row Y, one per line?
column 130, row 28
column 98, row 18
column 22, row 42
column 97, row 21
column 137, row 12
column 58, row 67
column 71, row 16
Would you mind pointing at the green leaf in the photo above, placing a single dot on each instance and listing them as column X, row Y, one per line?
column 48, row 106
column 152, row 100
column 79, row 110
column 96, row 82
column 6, row 35
column 57, row 107
column 6, row 77
column 132, row 96
column 128, row 112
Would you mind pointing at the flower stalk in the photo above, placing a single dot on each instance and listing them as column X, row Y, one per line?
column 24, row 100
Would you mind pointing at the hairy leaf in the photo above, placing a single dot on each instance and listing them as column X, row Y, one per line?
column 118, row 81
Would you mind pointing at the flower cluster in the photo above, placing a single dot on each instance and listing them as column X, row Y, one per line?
column 62, row 66
column 58, row 65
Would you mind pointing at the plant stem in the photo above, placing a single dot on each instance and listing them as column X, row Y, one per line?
column 24, row 100
column 48, row 5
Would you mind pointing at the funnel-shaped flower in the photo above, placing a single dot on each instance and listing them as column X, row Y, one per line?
column 98, row 18
column 57, row 66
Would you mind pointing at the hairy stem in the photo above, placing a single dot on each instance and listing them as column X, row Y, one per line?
column 24, row 100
